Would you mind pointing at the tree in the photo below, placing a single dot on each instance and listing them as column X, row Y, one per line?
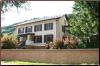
column 8, row 30
column 84, row 19
column 6, row 4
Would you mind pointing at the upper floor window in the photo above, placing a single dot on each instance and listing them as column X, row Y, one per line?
column 20, row 30
column 38, row 28
column 65, row 28
column 28, row 29
column 48, row 26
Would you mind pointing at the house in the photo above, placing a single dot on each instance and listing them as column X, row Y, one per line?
column 42, row 30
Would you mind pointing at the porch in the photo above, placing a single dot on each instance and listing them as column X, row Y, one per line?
column 29, row 41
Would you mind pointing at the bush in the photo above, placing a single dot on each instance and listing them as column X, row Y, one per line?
column 81, row 46
column 47, row 46
column 8, row 42
column 57, row 44
column 94, row 41
column 69, row 42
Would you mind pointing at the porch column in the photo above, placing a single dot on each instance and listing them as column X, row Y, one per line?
column 42, row 39
column 29, row 42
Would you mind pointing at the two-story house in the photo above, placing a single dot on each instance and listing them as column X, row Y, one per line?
column 42, row 30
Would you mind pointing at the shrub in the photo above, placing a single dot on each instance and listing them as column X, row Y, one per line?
column 66, row 42
column 47, row 46
column 94, row 41
column 58, row 44
column 69, row 42
column 8, row 42
column 81, row 46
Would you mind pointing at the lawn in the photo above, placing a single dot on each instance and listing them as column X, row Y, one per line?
column 35, row 63
column 25, row 63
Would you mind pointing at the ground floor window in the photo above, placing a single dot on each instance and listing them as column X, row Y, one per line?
column 38, row 39
column 48, row 38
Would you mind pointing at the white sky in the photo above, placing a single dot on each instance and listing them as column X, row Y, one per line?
column 37, row 9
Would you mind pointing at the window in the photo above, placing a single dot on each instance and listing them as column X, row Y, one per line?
column 48, row 26
column 38, row 39
column 28, row 29
column 38, row 28
column 48, row 38
column 65, row 28
column 20, row 30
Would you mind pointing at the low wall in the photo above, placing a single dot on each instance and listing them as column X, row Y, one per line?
column 69, row 56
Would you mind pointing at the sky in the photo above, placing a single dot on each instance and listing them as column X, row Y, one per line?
column 36, row 9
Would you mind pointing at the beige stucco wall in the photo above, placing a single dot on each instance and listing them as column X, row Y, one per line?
column 60, row 22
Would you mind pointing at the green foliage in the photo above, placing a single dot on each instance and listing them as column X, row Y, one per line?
column 81, row 46
column 1, row 35
column 8, row 42
column 6, row 4
column 84, row 20
column 94, row 41
column 8, row 30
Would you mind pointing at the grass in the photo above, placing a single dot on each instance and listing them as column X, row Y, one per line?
column 23, row 63
column 35, row 63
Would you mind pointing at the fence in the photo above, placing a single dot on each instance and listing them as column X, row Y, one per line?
column 69, row 56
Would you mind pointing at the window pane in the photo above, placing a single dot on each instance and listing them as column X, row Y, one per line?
column 38, row 28
column 48, row 26
column 20, row 30
column 28, row 29
column 25, row 29
column 38, row 39
column 48, row 38
column 44, row 26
